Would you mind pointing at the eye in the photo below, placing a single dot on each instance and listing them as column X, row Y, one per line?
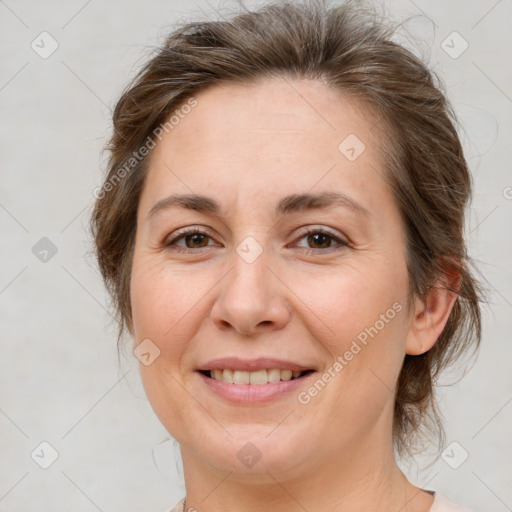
column 322, row 239
column 194, row 238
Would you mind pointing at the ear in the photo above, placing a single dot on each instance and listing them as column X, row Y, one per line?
column 432, row 313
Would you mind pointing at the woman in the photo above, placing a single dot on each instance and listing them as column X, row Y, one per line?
column 281, row 232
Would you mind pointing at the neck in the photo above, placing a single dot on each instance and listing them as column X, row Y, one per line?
column 356, row 480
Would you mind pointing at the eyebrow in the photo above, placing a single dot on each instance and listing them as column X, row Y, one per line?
column 289, row 204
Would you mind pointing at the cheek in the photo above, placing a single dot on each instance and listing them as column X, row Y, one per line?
column 355, row 298
column 360, row 319
column 149, row 294
column 163, row 312
column 166, row 304
column 367, row 320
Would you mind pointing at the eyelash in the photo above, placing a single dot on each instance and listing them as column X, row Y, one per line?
column 310, row 231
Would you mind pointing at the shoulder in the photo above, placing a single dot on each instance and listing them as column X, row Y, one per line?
column 178, row 507
column 441, row 504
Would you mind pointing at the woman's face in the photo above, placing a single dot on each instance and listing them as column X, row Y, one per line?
column 317, row 284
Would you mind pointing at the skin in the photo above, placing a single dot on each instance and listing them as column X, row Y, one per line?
column 248, row 147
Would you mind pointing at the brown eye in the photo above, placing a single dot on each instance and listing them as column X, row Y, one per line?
column 319, row 240
column 196, row 238
column 193, row 239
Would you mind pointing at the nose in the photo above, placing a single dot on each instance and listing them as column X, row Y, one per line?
column 252, row 298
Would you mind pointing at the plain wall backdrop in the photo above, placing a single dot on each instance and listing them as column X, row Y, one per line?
column 60, row 380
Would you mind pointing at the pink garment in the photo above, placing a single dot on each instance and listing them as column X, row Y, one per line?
column 441, row 504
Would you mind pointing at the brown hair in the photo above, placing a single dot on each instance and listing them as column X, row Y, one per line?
column 350, row 49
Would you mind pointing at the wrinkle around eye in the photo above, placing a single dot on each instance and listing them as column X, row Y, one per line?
column 342, row 229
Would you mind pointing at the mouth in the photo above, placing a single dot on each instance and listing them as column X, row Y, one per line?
column 256, row 387
column 254, row 381
column 260, row 377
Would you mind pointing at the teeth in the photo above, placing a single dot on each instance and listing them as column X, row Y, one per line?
column 258, row 377
column 227, row 376
column 274, row 375
column 241, row 377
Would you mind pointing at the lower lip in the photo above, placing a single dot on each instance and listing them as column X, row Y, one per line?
column 254, row 393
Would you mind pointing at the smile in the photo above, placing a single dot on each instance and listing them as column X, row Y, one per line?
column 258, row 377
column 255, row 387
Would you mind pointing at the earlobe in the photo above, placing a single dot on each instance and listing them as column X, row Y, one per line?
column 431, row 315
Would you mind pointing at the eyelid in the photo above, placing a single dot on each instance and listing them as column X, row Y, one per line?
column 340, row 240
column 306, row 230
column 189, row 230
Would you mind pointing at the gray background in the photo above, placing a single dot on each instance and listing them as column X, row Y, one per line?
column 60, row 380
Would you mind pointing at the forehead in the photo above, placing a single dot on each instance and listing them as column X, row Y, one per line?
column 302, row 109
column 276, row 136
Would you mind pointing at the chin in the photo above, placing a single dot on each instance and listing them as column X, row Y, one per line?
column 255, row 449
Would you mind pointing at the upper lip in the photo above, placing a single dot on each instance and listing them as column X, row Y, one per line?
column 261, row 363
